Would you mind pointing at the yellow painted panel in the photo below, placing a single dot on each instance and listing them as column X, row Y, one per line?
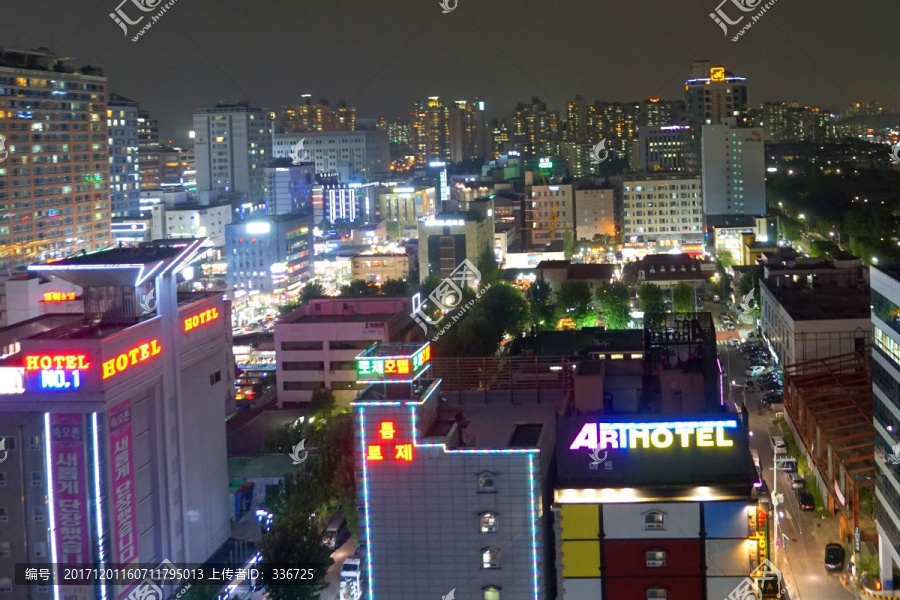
column 580, row 521
column 581, row 559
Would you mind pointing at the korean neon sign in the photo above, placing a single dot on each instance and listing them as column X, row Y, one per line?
column 59, row 296
column 377, row 452
column 58, row 371
column 684, row 434
column 201, row 319
column 131, row 357
column 393, row 368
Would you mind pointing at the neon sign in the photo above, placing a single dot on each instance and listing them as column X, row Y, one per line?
column 387, row 431
column 58, row 372
column 717, row 73
column 59, row 296
column 393, row 368
column 701, row 434
column 205, row 317
column 130, row 358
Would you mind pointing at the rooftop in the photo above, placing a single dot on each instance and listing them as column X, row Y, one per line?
column 500, row 425
column 823, row 303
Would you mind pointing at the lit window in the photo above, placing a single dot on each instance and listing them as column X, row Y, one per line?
column 491, row 593
column 486, row 482
column 654, row 520
column 489, row 522
column 656, row 558
column 656, row 594
column 37, row 479
column 489, row 558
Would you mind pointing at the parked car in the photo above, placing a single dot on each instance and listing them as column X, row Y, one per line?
column 773, row 397
column 796, row 481
column 734, row 343
column 754, row 370
column 778, row 444
column 805, row 500
column 730, row 326
column 763, row 488
column 770, row 387
column 834, row 557
column 716, row 298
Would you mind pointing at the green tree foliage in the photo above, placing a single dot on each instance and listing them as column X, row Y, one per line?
column 311, row 291
column 479, row 329
column 725, row 258
column 487, row 266
column 394, row 229
column 568, row 244
column 650, row 298
column 575, row 300
column 615, row 304
column 790, row 229
column 823, row 248
column 322, row 404
column 683, row 297
column 295, row 539
column 359, row 287
column 506, row 306
column 544, row 313
column 723, row 287
column 395, row 287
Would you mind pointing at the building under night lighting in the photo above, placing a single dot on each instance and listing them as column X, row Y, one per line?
column 107, row 463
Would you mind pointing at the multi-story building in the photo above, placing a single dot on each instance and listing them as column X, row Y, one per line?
column 446, row 239
column 549, row 213
column 307, row 116
column 431, row 131
column 663, row 211
column 814, row 308
column 54, row 180
column 468, row 130
column 407, row 205
column 271, row 256
column 734, row 171
column 790, row 122
column 148, row 150
column 536, row 130
column 378, row 268
column 668, row 270
column 366, row 152
column 233, row 146
column 289, row 188
column 191, row 220
column 24, row 296
column 663, row 148
column 712, row 95
column 315, row 346
column 176, row 166
column 886, row 387
column 124, row 157
column 594, row 212
column 130, row 230
column 334, row 202
column 106, row 464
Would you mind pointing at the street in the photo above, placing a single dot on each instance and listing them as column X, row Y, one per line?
column 800, row 552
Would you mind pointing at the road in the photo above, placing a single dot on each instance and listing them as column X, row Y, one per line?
column 801, row 559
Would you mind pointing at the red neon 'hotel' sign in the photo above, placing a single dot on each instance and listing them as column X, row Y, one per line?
column 127, row 359
column 201, row 319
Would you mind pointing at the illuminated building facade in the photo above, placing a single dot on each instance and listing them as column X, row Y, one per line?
column 148, row 150
column 536, row 130
column 712, row 95
column 365, row 152
column 663, row 210
column 447, row 239
column 734, row 170
column 233, row 146
column 468, row 130
column 289, row 188
column 270, row 256
column 407, row 204
column 378, row 268
column 663, row 148
column 307, row 116
column 54, row 197
column 790, row 122
column 549, row 213
column 335, row 202
column 124, row 159
column 448, row 500
column 431, row 131
column 658, row 507
column 316, row 345
column 100, row 409
column 594, row 212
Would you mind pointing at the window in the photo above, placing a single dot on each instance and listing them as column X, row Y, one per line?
column 37, row 514
column 489, row 557
column 4, row 548
column 289, row 346
column 8, row 443
column 215, row 378
column 4, row 514
column 656, row 594
column 37, row 479
column 491, row 593
column 303, row 365
column 2, row 479
column 654, row 520
column 294, row 386
column 488, row 522
column 656, row 558
column 350, row 345
column 35, row 443
column 486, row 482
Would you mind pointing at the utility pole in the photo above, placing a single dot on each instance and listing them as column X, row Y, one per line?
column 776, row 502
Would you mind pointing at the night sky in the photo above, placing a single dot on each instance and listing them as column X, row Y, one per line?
column 382, row 55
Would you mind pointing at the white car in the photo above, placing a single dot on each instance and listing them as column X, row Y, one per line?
column 796, row 480
column 350, row 568
column 734, row 342
column 754, row 371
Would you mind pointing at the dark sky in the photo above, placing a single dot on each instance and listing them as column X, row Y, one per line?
column 383, row 54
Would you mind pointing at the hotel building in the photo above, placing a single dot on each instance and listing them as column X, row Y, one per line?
column 100, row 409
column 54, row 170
column 663, row 211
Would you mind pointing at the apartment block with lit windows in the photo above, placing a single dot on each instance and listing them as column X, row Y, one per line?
column 148, row 150
column 124, row 158
column 307, row 116
column 712, row 95
column 431, row 131
column 54, row 181
column 663, row 211
column 549, row 214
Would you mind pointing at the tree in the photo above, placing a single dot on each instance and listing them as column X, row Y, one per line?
column 683, row 297
column 650, row 298
column 359, row 287
column 322, row 403
column 544, row 314
column 487, row 266
column 568, row 245
column 725, row 258
column 394, row 229
column 574, row 295
column 310, row 291
column 295, row 539
column 506, row 307
column 723, row 286
column 615, row 304
column 395, row 287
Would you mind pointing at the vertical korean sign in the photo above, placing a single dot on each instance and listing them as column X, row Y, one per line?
column 71, row 529
column 121, row 452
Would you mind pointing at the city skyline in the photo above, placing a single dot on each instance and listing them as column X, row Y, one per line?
column 173, row 70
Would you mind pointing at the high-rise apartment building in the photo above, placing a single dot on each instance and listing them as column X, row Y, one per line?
column 289, row 188
column 124, row 159
column 233, row 146
column 535, row 129
column 365, row 152
column 790, row 122
column 712, row 95
column 468, row 130
column 549, row 213
column 734, row 177
column 307, row 116
column 595, row 212
column 663, row 211
column 663, row 148
column 272, row 255
column 431, row 131
column 54, row 179
column 148, row 150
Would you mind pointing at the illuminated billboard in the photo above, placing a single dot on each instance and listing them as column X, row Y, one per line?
column 396, row 368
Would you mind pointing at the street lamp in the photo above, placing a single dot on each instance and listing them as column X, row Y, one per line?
column 776, row 501
column 832, row 234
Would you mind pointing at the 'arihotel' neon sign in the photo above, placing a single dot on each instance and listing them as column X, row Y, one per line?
column 702, row 434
